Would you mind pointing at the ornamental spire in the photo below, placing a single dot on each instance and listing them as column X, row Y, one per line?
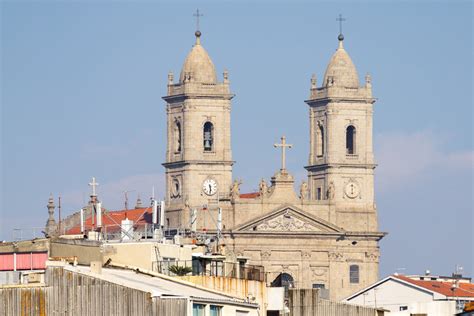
column 198, row 32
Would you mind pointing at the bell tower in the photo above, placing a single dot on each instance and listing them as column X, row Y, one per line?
column 198, row 157
column 341, row 160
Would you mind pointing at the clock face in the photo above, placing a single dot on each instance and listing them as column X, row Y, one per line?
column 352, row 190
column 209, row 186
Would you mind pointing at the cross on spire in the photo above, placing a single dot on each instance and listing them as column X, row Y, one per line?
column 340, row 19
column 197, row 15
column 93, row 184
column 283, row 146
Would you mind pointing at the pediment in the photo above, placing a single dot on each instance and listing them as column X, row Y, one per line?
column 289, row 219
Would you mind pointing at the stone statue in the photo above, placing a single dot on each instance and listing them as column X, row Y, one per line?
column 263, row 188
column 235, row 190
column 303, row 190
column 330, row 193
column 187, row 208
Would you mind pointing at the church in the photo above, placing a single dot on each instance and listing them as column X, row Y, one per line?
column 323, row 234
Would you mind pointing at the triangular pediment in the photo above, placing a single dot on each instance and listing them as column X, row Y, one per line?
column 289, row 219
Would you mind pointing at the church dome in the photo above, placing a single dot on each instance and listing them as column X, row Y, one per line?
column 198, row 66
column 341, row 70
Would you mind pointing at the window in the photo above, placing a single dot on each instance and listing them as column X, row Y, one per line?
column 354, row 273
column 208, row 136
column 198, row 309
column 320, row 141
column 318, row 194
column 241, row 313
column 177, row 137
column 403, row 308
column 318, row 286
column 215, row 310
column 350, row 140
column 284, row 280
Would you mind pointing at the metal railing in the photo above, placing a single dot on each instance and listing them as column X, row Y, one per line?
column 27, row 233
column 209, row 268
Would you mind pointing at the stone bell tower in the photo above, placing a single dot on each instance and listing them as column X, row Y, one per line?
column 198, row 157
column 341, row 160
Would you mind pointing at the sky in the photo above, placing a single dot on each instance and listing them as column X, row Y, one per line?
column 82, row 81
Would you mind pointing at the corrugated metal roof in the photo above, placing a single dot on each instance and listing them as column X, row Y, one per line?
column 155, row 285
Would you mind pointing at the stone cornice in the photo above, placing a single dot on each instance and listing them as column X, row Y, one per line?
column 290, row 235
column 340, row 165
column 181, row 163
column 323, row 101
column 182, row 97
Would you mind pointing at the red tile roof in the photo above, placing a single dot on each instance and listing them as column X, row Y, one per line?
column 111, row 220
column 444, row 288
column 252, row 195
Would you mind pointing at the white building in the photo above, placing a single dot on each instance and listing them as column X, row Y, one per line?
column 406, row 295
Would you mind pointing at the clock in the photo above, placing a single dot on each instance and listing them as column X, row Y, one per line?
column 209, row 186
column 352, row 190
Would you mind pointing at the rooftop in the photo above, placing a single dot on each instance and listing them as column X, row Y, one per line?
column 156, row 284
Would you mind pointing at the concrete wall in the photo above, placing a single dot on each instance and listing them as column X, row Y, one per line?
column 225, row 309
column 144, row 254
column 306, row 302
column 85, row 250
column 235, row 287
column 34, row 245
column 391, row 295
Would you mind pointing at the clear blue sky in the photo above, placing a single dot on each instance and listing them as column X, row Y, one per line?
column 82, row 82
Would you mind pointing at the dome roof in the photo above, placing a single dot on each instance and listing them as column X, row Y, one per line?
column 341, row 70
column 198, row 65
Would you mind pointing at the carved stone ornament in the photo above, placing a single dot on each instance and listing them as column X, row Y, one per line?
column 331, row 191
column 306, row 254
column 235, row 190
column 265, row 254
column 285, row 222
column 352, row 190
column 335, row 256
column 372, row 256
column 303, row 190
column 175, row 188
column 318, row 272
column 263, row 187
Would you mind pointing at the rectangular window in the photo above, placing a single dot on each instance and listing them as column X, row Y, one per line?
column 318, row 194
column 354, row 273
column 318, row 286
column 198, row 309
column 241, row 313
column 403, row 308
column 215, row 310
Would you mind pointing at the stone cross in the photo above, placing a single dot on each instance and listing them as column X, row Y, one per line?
column 283, row 146
column 197, row 15
column 340, row 19
column 93, row 184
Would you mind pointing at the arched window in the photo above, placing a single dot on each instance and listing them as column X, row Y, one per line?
column 320, row 141
column 208, row 136
column 177, row 137
column 354, row 273
column 284, row 280
column 350, row 140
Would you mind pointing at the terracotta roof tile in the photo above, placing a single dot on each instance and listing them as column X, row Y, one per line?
column 252, row 195
column 444, row 288
column 112, row 219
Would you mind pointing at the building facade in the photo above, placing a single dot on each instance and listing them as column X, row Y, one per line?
column 323, row 236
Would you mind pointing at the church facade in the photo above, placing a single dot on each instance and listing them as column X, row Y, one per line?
column 325, row 235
